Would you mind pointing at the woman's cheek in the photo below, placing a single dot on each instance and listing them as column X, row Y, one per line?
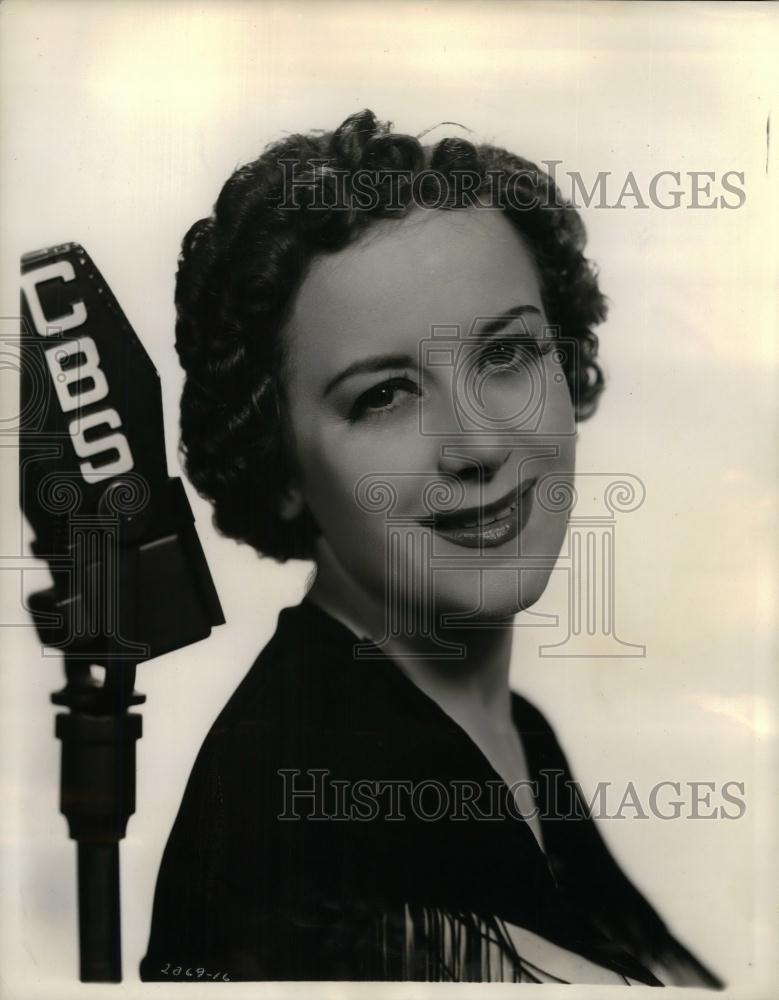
column 331, row 474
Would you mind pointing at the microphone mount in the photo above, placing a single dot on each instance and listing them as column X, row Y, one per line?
column 130, row 581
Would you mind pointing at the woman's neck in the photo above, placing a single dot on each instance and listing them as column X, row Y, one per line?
column 472, row 688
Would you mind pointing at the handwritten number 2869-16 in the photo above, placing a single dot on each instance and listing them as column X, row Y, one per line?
column 200, row 973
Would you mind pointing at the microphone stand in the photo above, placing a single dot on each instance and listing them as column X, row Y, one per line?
column 97, row 796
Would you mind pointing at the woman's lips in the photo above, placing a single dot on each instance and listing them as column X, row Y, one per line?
column 494, row 524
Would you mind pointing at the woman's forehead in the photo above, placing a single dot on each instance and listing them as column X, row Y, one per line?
column 391, row 287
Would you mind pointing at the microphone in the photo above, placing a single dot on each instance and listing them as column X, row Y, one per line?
column 130, row 580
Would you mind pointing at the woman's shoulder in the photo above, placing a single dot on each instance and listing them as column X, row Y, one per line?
column 310, row 695
column 584, row 865
column 303, row 657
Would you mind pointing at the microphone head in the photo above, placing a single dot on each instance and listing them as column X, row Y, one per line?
column 130, row 578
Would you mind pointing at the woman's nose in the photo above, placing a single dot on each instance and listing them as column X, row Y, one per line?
column 472, row 457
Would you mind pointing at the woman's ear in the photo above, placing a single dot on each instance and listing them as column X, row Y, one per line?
column 291, row 504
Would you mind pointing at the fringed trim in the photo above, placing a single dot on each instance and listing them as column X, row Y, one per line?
column 432, row 944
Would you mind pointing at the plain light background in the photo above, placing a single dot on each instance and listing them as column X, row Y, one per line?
column 119, row 124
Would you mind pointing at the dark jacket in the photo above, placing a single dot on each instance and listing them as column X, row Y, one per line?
column 406, row 857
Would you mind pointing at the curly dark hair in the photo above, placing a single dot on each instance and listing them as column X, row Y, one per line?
column 239, row 270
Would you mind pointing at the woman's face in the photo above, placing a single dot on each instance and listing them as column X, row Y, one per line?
column 416, row 359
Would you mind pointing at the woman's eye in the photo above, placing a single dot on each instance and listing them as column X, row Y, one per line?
column 512, row 354
column 504, row 355
column 382, row 398
column 500, row 355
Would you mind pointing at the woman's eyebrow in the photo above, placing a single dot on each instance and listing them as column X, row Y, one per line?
column 374, row 363
column 496, row 323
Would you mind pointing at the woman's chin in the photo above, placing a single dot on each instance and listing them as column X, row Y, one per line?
column 487, row 595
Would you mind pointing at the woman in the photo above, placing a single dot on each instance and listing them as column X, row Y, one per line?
column 387, row 349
